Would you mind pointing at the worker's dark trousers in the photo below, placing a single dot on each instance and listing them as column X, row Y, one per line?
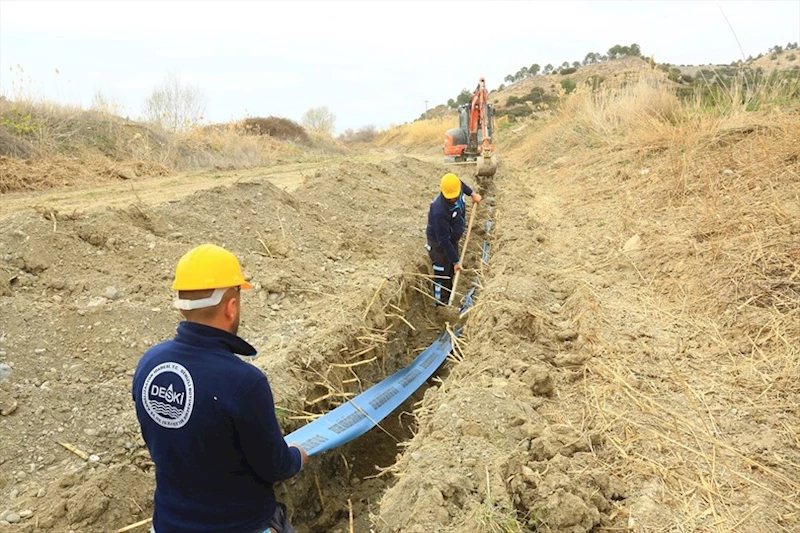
column 442, row 270
column 280, row 521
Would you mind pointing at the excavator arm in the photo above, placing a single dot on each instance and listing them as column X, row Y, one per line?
column 480, row 117
column 461, row 145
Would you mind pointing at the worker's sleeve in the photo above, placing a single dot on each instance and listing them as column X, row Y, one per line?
column 466, row 189
column 441, row 229
column 261, row 438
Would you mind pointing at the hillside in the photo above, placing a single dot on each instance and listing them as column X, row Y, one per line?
column 45, row 145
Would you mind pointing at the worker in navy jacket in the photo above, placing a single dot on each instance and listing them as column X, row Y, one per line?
column 446, row 224
column 207, row 416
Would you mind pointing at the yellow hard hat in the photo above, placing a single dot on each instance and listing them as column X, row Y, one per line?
column 208, row 267
column 451, row 186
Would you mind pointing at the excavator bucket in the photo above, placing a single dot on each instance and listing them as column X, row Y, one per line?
column 486, row 165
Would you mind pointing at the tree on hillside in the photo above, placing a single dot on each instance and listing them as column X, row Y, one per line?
column 618, row 51
column 591, row 58
column 463, row 97
column 175, row 106
column 522, row 73
column 565, row 64
column 548, row 69
column 576, row 64
column 615, row 51
column 534, row 69
column 509, row 79
column 319, row 120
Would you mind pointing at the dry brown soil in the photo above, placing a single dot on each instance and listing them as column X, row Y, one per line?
column 582, row 397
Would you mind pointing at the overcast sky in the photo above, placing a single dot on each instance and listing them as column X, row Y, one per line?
column 370, row 62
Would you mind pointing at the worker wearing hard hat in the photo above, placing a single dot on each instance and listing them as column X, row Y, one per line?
column 207, row 416
column 446, row 223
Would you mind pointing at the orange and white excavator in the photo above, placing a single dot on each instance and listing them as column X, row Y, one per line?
column 472, row 139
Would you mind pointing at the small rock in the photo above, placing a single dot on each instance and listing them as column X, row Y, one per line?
column 8, row 408
column 97, row 301
column 528, row 474
column 5, row 371
column 13, row 494
column 728, row 172
column 91, row 432
column 175, row 236
column 634, row 243
column 416, row 456
column 39, row 351
column 94, row 458
column 13, row 518
column 555, row 308
column 4, row 523
column 111, row 293
column 275, row 307
column 567, row 335
column 27, row 513
column 41, row 492
column 126, row 174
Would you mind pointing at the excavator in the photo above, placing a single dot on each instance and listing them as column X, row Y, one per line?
column 472, row 139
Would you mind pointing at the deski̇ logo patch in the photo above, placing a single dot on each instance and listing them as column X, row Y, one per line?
column 168, row 395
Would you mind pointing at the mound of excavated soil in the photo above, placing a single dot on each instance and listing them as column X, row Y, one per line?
column 335, row 265
column 632, row 360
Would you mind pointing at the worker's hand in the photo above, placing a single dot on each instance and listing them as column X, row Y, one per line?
column 457, row 267
column 303, row 453
column 476, row 198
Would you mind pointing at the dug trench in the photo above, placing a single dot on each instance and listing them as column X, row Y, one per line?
column 339, row 271
column 348, row 480
column 342, row 488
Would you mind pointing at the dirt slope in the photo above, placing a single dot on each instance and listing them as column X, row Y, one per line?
column 632, row 363
column 335, row 264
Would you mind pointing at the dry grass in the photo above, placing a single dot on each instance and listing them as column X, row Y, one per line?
column 704, row 413
column 45, row 145
column 421, row 134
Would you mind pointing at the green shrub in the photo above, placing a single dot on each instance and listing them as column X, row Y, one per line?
column 568, row 85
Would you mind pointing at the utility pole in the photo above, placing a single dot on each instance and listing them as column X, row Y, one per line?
column 426, row 108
